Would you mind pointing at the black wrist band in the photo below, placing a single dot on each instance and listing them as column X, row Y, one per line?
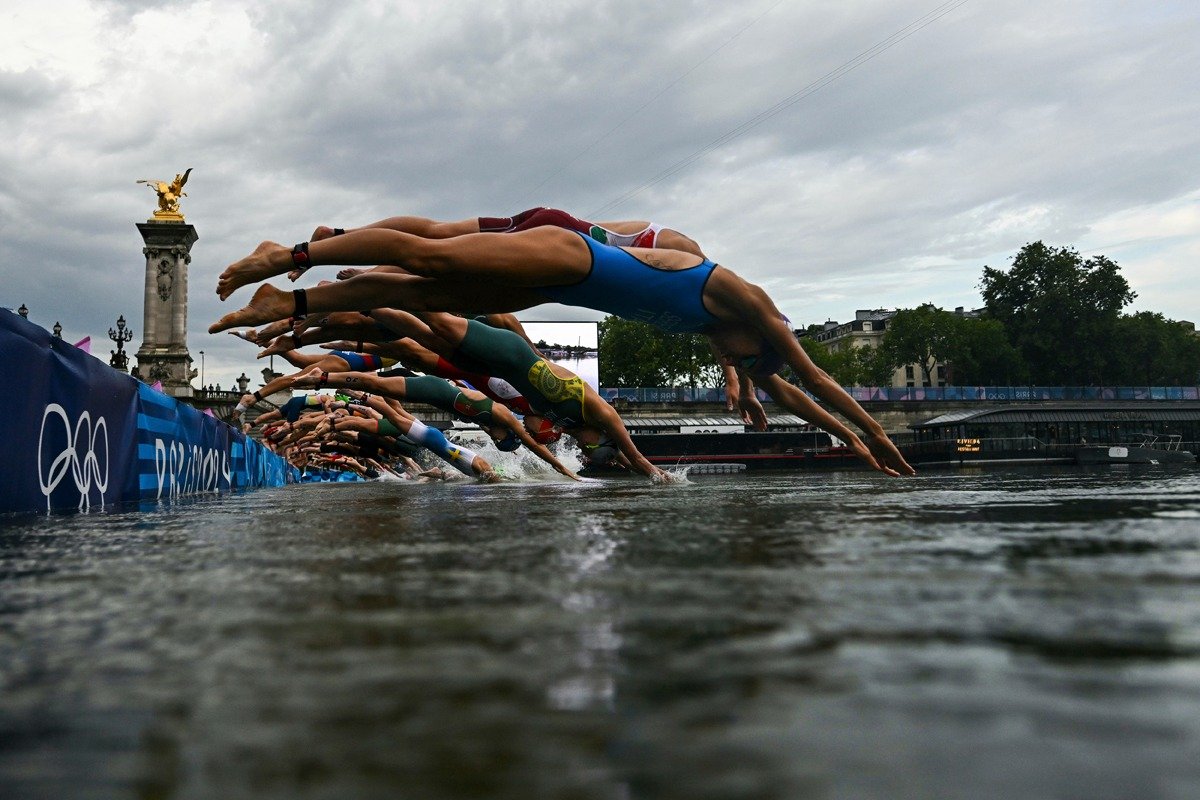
column 338, row 231
column 300, row 256
column 301, row 300
column 257, row 396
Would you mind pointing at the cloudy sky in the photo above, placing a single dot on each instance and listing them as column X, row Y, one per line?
column 838, row 153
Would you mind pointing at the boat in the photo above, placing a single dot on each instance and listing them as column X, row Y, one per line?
column 723, row 445
column 1148, row 450
column 1059, row 433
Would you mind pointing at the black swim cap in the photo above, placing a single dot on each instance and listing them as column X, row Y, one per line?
column 769, row 360
column 509, row 443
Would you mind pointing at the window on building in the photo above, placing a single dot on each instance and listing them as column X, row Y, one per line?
column 909, row 374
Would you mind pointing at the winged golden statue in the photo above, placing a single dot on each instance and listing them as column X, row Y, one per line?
column 168, row 195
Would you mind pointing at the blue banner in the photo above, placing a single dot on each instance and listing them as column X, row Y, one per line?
column 75, row 433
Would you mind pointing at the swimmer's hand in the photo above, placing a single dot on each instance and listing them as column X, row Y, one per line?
column 660, row 476
column 888, row 456
column 753, row 412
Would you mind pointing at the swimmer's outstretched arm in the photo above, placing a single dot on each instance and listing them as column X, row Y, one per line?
column 802, row 405
column 883, row 454
column 602, row 415
column 510, row 421
column 751, row 304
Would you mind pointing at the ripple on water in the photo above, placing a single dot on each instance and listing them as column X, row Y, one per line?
column 836, row 634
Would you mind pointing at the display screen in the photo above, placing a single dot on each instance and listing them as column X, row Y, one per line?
column 575, row 345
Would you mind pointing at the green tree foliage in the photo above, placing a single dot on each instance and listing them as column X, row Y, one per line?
column 974, row 351
column 979, row 354
column 922, row 336
column 1155, row 351
column 849, row 366
column 636, row 354
column 1060, row 312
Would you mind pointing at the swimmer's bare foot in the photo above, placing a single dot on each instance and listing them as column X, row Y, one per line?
column 349, row 272
column 280, row 344
column 267, row 305
column 267, row 260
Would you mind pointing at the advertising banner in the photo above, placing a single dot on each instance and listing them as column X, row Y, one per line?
column 77, row 434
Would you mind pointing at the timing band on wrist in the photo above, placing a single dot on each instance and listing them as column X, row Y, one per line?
column 300, row 256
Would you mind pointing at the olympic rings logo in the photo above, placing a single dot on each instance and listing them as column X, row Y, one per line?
column 86, row 471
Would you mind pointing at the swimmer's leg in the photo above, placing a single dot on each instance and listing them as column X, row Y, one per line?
column 460, row 458
column 366, row 292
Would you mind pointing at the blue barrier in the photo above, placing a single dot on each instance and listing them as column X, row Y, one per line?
column 867, row 394
column 75, row 433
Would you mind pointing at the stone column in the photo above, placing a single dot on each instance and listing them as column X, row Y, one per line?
column 164, row 355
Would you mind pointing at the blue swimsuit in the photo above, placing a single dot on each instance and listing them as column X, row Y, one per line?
column 622, row 285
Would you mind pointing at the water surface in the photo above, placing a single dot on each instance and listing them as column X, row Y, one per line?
column 984, row 634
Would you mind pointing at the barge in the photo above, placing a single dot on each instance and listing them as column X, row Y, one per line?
column 722, row 444
column 1095, row 432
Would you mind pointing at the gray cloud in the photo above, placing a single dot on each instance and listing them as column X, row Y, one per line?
column 1002, row 123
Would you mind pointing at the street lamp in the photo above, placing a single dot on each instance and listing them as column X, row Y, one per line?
column 119, row 360
column 201, row 369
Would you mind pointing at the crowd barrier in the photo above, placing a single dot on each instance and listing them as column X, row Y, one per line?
column 77, row 434
column 982, row 394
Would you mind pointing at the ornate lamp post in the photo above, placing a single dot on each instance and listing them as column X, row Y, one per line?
column 57, row 330
column 120, row 360
column 202, row 369
column 23, row 311
column 243, row 383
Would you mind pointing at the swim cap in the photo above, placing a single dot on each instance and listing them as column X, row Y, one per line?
column 546, row 433
column 509, row 443
column 602, row 454
column 769, row 360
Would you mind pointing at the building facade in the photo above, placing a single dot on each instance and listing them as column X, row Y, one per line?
column 867, row 330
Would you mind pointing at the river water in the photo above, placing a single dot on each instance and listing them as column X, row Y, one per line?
column 1002, row 633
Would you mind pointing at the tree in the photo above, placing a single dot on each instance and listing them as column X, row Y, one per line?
column 922, row 335
column 849, row 366
column 637, row 354
column 1156, row 351
column 981, row 355
column 1060, row 312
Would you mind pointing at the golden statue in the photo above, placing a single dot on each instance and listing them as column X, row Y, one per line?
column 168, row 196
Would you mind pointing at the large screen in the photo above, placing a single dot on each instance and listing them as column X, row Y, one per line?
column 575, row 345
